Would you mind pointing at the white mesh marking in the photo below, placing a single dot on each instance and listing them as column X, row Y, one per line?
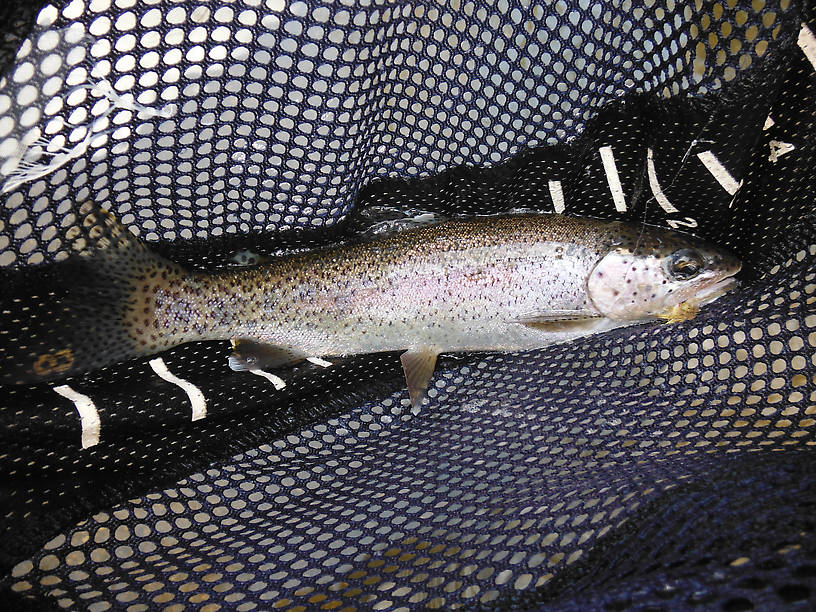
column 611, row 170
column 557, row 195
column 778, row 149
column 655, row 184
column 277, row 381
column 197, row 400
column 719, row 172
column 807, row 43
column 318, row 361
column 88, row 415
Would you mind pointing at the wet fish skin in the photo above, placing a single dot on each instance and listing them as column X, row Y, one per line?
column 461, row 285
column 510, row 282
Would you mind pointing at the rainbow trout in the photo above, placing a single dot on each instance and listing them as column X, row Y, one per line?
column 503, row 283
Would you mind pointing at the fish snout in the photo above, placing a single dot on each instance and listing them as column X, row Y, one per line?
column 724, row 263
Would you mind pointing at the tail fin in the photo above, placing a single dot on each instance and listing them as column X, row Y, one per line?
column 87, row 312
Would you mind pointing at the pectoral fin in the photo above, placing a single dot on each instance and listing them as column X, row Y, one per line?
column 251, row 355
column 418, row 366
column 563, row 321
column 684, row 311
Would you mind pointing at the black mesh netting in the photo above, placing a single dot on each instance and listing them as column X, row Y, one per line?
column 659, row 467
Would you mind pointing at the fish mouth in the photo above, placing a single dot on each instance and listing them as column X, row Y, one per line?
column 718, row 289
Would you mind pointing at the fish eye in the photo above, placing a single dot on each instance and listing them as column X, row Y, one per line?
column 685, row 264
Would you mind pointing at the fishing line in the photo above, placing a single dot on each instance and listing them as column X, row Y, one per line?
column 697, row 139
column 619, row 297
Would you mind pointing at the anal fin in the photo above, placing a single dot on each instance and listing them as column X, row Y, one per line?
column 418, row 366
column 252, row 355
